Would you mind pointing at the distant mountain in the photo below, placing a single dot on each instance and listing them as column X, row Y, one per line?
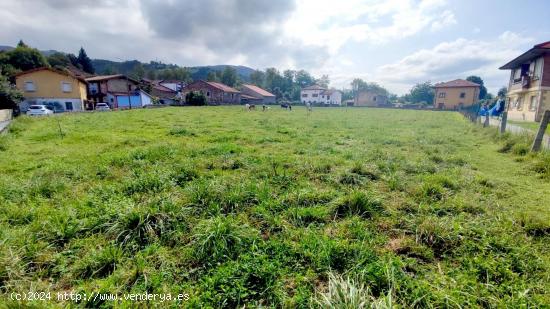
column 102, row 66
column 5, row 48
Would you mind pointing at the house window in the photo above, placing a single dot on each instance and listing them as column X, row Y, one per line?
column 29, row 87
column 462, row 95
column 519, row 103
column 533, row 103
column 66, row 87
column 328, row 97
column 374, row 98
column 315, row 95
column 93, row 88
column 442, row 94
column 69, row 106
column 304, row 95
column 208, row 93
column 232, row 96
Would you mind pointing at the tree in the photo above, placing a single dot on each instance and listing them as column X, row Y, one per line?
column 9, row 96
column 304, row 79
column 138, row 72
column 479, row 81
column 360, row 85
column 423, row 92
column 324, row 81
column 229, row 76
column 257, row 78
column 502, row 92
column 58, row 60
column 85, row 62
column 212, row 77
column 22, row 58
column 21, row 44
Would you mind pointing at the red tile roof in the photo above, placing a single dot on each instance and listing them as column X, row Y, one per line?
column 222, row 87
column 456, row 83
column 259, row 90
column 58, row 71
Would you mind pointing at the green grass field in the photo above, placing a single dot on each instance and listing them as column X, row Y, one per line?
column 351, row 207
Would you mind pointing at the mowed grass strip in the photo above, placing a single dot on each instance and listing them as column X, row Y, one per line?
column 338, row 207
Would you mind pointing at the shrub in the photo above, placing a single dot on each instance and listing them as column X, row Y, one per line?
column 195, row 98
column 358, row 203
column 520, row 149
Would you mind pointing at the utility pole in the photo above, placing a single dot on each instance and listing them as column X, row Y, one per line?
column 128, row 91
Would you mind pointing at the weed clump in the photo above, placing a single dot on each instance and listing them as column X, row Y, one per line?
column 221, row 238
column 358, row 203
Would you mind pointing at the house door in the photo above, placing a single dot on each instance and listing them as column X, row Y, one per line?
column 440, row 105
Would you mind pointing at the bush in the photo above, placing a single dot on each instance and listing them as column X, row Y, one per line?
column 195, row 98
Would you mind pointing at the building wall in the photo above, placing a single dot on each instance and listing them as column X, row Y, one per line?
column 369, row 98
column 48, row 84
column 213, row 95
column 5, row 114
column 335, row 98
column 311, row 96
column 452, row 99
column 77, row 104
column 518, row 98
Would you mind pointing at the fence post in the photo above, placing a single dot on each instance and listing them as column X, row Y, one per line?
column 486, row 122
column 540, row 134
column 503, row 122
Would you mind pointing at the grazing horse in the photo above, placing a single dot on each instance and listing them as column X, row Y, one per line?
column 308, row 105
column 286, row 106
column 251, row 107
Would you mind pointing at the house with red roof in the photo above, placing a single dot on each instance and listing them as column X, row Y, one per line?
column 215, row 93
column 118, row 91
column 456, row 94
column 528, row 94
column 255, row 94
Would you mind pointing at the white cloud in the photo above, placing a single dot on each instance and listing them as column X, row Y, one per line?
column 455, row 59
column 331, row 24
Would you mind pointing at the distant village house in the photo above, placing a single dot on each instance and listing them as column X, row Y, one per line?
column 370, row 98
column 528, row 94
column 215, row 93
column 59, row 89
column 118, row 91
column 316, row 94
column 256, row 95
column 456, row 94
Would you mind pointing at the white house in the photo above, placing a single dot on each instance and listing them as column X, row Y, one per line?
column 316, row 94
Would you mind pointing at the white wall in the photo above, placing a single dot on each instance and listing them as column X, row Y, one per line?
column 77, row 103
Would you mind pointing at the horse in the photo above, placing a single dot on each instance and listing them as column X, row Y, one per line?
column 308, row 105
column 251, row 106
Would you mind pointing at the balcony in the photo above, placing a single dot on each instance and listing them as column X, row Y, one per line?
column 525, row 81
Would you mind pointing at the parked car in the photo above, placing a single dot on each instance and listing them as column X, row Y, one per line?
column 55, row 107
column 102, row 107
column 39, row 110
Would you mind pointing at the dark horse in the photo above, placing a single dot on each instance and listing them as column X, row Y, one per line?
column 285, row 106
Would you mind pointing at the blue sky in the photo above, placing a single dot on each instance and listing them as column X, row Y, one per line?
column 396, row 43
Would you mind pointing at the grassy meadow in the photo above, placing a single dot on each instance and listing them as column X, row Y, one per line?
column 340, row 207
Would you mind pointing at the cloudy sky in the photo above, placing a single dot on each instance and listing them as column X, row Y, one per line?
column 396, row 43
